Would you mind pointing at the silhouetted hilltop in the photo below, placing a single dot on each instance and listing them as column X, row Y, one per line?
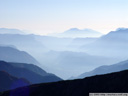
column 114, row 82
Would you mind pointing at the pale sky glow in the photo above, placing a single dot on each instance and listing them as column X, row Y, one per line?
column 48, row 16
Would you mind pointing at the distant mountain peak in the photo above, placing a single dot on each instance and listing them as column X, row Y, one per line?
column 121, row 33
column 78, row 33
column 11, row 31
column 74, row 29
column 80, row 30
column 119, row 30
column 122, row 29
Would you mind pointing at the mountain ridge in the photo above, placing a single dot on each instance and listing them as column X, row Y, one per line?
column 108, row 83
column 106, row 69
column 12, row 54
column 10, row 31
column 113, row 44
column 77, row 33
column 30, row 73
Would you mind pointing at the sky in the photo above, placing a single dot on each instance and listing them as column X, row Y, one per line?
column 51, row 16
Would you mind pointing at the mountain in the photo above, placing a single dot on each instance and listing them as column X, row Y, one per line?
column 30, row 72
column 8, row 82
column 10, row 31
column 25, row 42
column 33, row 68
column 67, row 63
column 54, row 43
column 108, row 83
column 77, row 33
column 12, row 54
column 106, row 69
column 63, row 44
column 76, row 43
column 113, row 44
column 37, row 45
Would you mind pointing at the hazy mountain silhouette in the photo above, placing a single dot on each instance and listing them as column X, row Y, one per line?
column 12, row 54
column 106, row 69
column 70, row 63
column 67, row 63
column 63, row 44
column 30, row 72
column 26, row 43
column 54, row 43
column 36, row 45
column 11, row 31
column 108, row 83
column 77, row 33
column 8, row 82
column 78, row 42
column 114, row 44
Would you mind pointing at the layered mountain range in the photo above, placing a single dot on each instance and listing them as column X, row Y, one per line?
column 29, row 72
column 58, row 55
column 19, row 68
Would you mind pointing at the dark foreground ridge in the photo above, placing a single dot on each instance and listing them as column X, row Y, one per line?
column 114, row 82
